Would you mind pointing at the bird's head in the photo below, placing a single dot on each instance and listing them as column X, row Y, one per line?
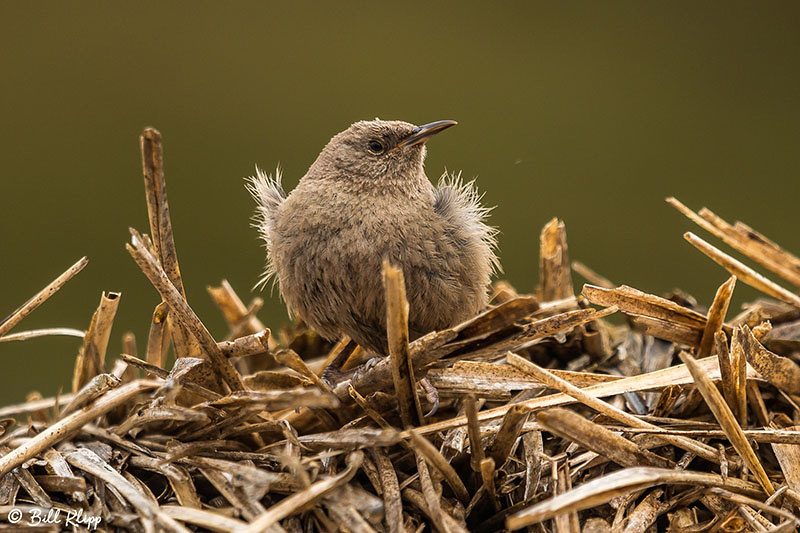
column 377, row 151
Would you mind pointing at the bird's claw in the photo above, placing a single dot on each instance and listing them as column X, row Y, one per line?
column 366, row 367
column 432, row 394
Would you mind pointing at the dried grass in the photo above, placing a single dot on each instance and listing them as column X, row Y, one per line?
column 542, row 413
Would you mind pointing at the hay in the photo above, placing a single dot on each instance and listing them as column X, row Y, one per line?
column 541, row 412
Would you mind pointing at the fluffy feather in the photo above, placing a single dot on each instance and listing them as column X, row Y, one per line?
column 455, row 199
column 268, row 194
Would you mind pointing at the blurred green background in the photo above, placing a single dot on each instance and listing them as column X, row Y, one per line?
column 592, row 112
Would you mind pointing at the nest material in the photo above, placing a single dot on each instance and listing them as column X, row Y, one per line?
column 548, row 415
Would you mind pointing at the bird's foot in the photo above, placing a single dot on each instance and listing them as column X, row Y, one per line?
column 366, row 367
column 333, row 373
column 432, row 394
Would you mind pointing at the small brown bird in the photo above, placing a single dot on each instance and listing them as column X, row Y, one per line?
column 366, row 198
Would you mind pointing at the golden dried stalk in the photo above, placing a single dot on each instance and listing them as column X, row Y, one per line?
column 675, row 375
column 591, row 276
column 252, row 344
column 182, row 312
column 98, row 386
column 163, row 244
column 91, row 358
column 64, row 427
column 44, row 332
column 739, row 376
column 233, row 308
column 782, row 372
column 726, row 370
column 399, row 353
column 423, row 446
column 743, row 272
column 555, row 276
column 703, row 450
column 716, row 316
column 474, row 430
column 157, row 339
column 298, row 500
column 636, row 302
column 603, row 489
column 391, row 490
column 290, row 359
column 748, row 242
column 41, row 297
column 575, row 428
column 727, row 421
column 507, row 435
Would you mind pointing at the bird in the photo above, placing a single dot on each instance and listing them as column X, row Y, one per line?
column 365, row 199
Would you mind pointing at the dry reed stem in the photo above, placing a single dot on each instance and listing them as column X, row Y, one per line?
column 507, row 435
column 61, row 430
column 391, row 490
column 98, row 386
column 726, row 370
column 233, row 308
column 157, row 338
column 149, row 510
column 549, row 379
column 155, row 187
column 430, row 496
column 44, row 332
column 602, row 490
column 743, row 272
column 246, row 346
column 423, row 446
column 290, row 359
column 555, row 276
column 41, row 297
column 641, row 304
column 295, row 502
column 727, row 421
column 575, row 428
column 91, row 358
column 591, row 276
column 207, row 519
column 739, row 375
column 675, row 375
column 746, row 241
column 487, row 471
column 474, row 430
column 399, row 353
column 781, row 372
column 183, row 312
column 716, row 316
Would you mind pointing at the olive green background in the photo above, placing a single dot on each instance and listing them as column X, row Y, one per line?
column 589, row 111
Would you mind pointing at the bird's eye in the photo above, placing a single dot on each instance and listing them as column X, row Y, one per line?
column 376, row 147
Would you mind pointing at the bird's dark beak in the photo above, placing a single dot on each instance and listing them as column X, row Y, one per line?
column 421, row 134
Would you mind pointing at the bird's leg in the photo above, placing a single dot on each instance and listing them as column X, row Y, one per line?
column 333, row 374
column 431, row 394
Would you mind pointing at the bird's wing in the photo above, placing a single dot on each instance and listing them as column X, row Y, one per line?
column 268, row 194
column 459, row 203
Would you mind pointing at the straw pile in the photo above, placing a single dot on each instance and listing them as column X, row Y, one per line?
column 541, row 412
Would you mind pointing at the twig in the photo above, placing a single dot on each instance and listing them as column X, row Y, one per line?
column 41, row 297
column 91, row 359
column 399, row 354
column 183, row 312
column 35, row 333
column 64, row 427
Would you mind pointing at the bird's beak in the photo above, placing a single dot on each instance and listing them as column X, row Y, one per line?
column 421, row 134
